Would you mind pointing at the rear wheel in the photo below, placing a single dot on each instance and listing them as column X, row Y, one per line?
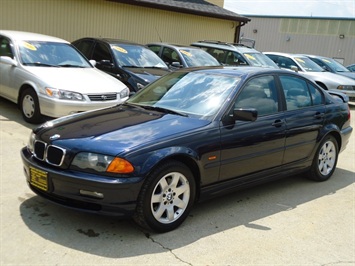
column 325, row 160
column 166, row 198
column 29, row 106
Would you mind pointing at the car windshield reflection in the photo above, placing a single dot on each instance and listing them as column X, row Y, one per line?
column 259, row 60
column 50, row 54
column 194, row 94
column 136, row 56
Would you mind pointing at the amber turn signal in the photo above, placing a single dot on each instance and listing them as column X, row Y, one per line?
column 120, row 166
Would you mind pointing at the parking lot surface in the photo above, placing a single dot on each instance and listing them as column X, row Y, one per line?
column 292, row 221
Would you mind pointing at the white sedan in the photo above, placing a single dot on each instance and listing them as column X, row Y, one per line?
column 47, row 76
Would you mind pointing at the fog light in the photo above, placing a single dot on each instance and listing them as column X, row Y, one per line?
column 93, row 194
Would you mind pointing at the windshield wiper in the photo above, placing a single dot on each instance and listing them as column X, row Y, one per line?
column 162, row 109
column 132, row 66
column 38, row 64
column 69, row 65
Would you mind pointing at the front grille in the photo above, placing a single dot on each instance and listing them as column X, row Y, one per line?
column 49, row 153
column 102, row 97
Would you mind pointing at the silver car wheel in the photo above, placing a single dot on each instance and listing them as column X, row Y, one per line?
column 170, row 197
column 28, row 106
column 327, row 158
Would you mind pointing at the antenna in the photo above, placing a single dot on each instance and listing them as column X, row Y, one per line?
column 158, row 34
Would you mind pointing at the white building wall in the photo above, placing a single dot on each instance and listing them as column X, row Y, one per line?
column 333, row 38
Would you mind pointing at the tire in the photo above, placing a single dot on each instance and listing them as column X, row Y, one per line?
column 166, row 197
column 325, row 160
column 29, row 106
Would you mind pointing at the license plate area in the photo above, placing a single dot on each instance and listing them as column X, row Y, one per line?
column 39, row 178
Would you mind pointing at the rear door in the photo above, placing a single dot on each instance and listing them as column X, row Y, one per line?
column 304, row 116
column 7, row 72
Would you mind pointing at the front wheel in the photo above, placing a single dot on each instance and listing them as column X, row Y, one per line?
column 166, row 197
column 325, row 160
column 29, row 106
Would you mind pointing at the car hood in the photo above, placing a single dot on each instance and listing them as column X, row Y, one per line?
column 148, row 74
column 347, row 74
column 83, row 80
column 116, row 129
column 329, row 78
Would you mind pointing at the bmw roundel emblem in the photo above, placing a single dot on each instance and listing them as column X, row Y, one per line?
column 54, row 137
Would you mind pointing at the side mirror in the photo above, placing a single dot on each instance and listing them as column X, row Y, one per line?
column 8, row 60
column 92, row 62
column 294, row 68
column 247, row 114
column 105, row 63
column 176, row 64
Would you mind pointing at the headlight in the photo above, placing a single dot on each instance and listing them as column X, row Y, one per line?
column 102, row 163
column 346, row 87
column 65, row 95
column 124, row 93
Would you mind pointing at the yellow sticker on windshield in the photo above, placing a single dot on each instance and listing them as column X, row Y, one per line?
column 299, row 60
column 250, row 56
column 29, row 46
column 186, row 53
column 120, row 49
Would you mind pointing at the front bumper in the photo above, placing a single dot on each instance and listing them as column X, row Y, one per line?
column 82, row 191
column 58, row 108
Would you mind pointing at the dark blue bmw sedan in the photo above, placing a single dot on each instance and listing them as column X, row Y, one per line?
column 190, row 135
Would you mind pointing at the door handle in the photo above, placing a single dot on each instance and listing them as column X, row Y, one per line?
column 278, row 123
column 319, row 115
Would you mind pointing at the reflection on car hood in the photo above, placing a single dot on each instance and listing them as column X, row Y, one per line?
column 147, row 74
column 83, row 80
column 116, row 129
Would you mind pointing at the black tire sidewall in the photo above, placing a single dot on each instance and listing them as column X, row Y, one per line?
column 148, row 188
column 314, row 173
column 36, row 118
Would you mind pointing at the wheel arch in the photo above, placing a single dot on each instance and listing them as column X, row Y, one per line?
column 184, row 155
column 21, row 90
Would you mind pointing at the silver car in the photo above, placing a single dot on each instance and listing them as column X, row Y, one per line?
column 47, row 76
column 305, row 66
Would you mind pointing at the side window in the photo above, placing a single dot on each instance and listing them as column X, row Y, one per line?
column 155, row 48
column 101, row 52
column 316, row 95
column 285, row 62
column 85, row 48
column 5, row 48
column 296, row 92
column 259, row 93
column 219, row 54
column 169, row 55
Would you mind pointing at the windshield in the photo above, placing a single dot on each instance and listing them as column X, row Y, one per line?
column 197, row 94
column 36, row 53
column 198, row 57
column 335, row 65
column 260, row 60
column 308, row 65
column 128, row 55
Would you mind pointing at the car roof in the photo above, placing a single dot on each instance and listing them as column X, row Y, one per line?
column 109, row 40
column 236, row 70
column 286, row 54
column 171, row 45
column 225, row 45
column 30, row 36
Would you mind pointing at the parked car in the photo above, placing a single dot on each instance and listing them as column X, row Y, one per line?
column 351, row 67
column 132, row 63
column 235, row 54
column 193, row 134
column 47, row 76
column 178, row 56
column 331, row 65
column 308, row 68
